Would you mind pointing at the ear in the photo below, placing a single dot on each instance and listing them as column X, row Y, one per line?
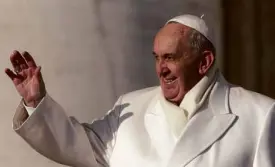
column 206, row 62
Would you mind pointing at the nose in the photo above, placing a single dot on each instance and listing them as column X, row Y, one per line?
column 162, row 64
column 164, row 72
column 163, row 68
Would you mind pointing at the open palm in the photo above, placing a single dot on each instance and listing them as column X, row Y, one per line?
column 27, row 78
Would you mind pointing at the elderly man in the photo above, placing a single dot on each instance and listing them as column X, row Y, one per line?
column 194, row 118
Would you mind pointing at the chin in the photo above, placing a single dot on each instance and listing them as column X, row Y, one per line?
column 174, row 97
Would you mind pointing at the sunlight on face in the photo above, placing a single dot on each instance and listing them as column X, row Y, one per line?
column 175, row 67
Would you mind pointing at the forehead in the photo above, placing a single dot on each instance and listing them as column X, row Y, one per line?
column 170, row 38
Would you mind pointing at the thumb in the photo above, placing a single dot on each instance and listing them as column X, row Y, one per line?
column 37, row 71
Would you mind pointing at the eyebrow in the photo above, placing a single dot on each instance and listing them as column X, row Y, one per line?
column 166, row 54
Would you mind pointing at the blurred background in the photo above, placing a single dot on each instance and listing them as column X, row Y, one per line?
column 92, row 51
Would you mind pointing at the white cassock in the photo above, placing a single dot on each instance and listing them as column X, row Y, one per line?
column 230, row 127
column 216, row 125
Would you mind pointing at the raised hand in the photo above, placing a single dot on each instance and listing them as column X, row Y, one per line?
column 27, row 78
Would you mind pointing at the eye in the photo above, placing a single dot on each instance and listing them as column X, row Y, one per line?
column 169, row 57
column 156, row 57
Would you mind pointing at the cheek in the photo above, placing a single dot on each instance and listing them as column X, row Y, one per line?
column 175, row 69
column 157, row 67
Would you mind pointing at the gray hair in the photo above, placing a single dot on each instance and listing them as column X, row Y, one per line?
column 198, row 43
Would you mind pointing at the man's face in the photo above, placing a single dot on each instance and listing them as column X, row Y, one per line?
column 176, row 67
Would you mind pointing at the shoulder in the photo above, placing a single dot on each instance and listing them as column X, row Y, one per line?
column 245, row 96
column 241, row 98
column 250, row 104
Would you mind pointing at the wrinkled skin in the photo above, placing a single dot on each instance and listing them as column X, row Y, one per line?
column 27, row 80
column 177, row 67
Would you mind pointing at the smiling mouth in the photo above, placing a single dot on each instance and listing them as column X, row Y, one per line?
column 169, row 81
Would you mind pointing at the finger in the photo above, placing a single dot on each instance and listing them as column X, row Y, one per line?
column 18, row 61
column 37, row 71
column 30, row 61
column 17, row 79
column 19, row 58
column 14, row 61
column 10, row 73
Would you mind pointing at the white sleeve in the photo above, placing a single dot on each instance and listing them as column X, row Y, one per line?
column 30, row 110
column 265, row 151
column 64, row 139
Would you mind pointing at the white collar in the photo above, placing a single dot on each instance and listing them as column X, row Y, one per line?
column 195, row 97
column 178, row 116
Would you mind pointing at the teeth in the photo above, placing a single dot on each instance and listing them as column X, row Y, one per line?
column 168, row 81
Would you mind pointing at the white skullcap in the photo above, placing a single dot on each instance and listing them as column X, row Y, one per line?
column 194, row 22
